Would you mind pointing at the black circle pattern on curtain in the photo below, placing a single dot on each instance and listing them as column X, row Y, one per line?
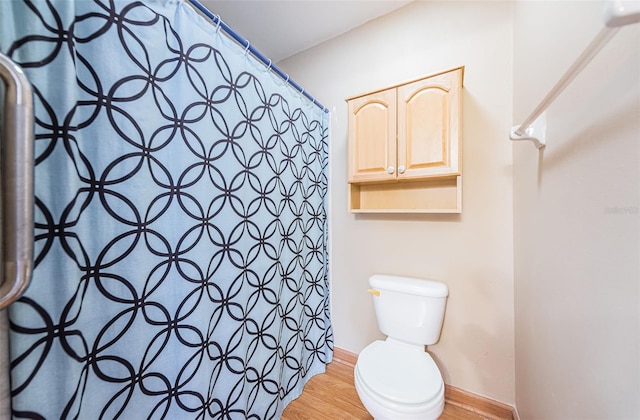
column 181, row 230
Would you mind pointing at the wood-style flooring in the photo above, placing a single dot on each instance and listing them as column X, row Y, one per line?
column 332, row 396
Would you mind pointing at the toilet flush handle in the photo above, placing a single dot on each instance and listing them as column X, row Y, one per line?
column 374, row 292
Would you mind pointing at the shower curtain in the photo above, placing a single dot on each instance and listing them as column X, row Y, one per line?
column 180, row 220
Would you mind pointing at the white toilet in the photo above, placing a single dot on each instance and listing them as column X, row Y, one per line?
column 396, row 379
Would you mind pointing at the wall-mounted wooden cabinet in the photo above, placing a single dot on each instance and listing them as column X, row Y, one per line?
column 404, row 147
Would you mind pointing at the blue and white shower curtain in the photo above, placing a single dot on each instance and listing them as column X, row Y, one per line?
column 181, row 229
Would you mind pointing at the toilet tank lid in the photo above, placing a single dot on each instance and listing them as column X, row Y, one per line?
column 410, row 285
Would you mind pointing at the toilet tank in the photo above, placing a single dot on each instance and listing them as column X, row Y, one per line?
column 409, row 309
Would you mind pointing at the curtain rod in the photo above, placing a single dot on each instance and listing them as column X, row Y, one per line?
column 257, row 54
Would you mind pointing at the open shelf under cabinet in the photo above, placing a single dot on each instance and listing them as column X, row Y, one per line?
column 437, row 195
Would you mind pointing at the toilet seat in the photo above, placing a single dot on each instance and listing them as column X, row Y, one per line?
column 382, row 409
column 399, row 374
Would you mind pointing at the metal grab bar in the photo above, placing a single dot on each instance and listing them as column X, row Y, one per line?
column 16, row 181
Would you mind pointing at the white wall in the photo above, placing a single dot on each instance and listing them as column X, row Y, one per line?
column 577, row 221
column 473, row 252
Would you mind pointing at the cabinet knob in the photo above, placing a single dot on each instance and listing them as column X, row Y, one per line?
column 400, row 169
column 391, row 169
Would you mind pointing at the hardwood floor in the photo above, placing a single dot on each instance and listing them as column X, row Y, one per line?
column 333, row 396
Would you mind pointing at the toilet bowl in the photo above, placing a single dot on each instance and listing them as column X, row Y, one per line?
column 395, row 378
column 397, row 381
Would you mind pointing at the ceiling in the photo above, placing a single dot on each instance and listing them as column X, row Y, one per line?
column 282, row 28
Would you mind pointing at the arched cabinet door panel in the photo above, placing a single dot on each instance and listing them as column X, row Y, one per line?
column 372, row 134
column 428, row 121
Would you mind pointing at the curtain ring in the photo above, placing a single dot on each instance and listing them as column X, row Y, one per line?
column 269, row 66
column 218, row 25
column 246, row 50
column 287, row 81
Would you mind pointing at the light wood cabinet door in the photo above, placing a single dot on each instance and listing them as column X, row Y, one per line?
column 428, row 126
column 372, row 137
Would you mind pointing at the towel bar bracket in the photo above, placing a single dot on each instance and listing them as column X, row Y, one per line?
column 535, row 133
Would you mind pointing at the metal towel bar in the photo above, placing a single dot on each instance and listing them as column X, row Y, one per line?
column 16, row 182
column 617, row 13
